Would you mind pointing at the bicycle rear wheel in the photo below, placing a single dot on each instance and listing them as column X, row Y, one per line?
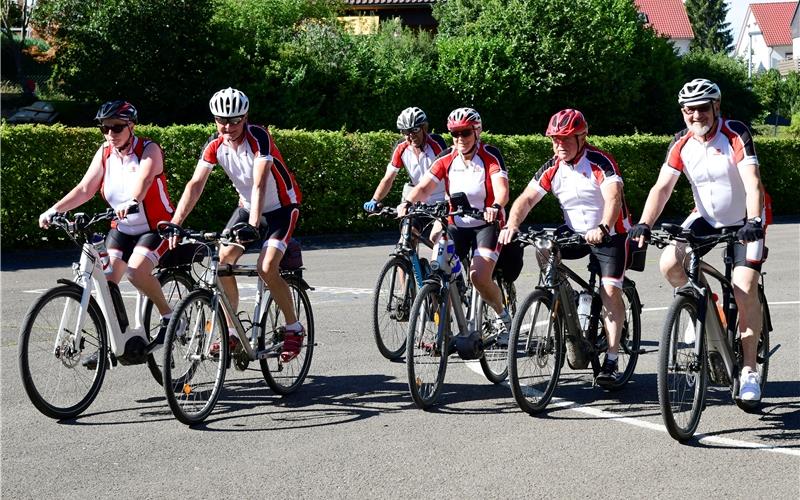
column 630, row 338
column 56, row 382
column 286, row 377
column 535, row 351
column 682, row 372
column 175, row 285
column 427, row 347
column 391, row 305
column 494, row 361
column 192, row 378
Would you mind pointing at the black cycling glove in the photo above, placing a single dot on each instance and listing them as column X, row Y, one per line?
column 246, row 234
column 638, row 230
column 751, row 231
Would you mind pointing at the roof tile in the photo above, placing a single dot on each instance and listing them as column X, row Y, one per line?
column 667, row 17
column 774, row 20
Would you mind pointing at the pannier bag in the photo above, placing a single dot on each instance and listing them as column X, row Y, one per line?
column 510, row 261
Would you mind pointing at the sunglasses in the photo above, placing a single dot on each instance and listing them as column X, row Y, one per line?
column 409, row 131
column 461, row 133
column 703, row 108
column 234, row 120
column 113, row 128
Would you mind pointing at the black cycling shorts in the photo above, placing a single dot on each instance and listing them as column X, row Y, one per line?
column 751, row 255
column 122, row 246
column 482, row 240
column 276, row 227
column 610, row 257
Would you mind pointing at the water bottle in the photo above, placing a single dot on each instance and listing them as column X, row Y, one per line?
column 455, row 262
column 99, row 243
column 584, row 309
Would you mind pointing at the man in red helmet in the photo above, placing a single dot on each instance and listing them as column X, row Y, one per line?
column 588, row 185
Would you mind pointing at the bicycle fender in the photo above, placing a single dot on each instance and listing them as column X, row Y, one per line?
column 65, row 281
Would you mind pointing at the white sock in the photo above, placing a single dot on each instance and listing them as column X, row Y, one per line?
column 611, row 356
column 294, row 327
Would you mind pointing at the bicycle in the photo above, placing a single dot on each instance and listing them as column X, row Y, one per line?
column 193, row 374
column 395, row 290
column 68, row 320
column 546, row 328
column 698, row 345
column 442, row 300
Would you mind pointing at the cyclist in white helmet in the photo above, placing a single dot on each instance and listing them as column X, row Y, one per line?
column 269, row 200
column 719, row 159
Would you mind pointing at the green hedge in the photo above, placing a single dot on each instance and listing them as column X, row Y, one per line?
column 337, row 172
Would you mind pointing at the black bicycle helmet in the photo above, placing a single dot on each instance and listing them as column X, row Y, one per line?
column 117, row 109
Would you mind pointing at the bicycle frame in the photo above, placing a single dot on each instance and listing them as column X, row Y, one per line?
column 90, row 276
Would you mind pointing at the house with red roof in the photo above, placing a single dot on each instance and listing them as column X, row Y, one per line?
column 766, row 40
column 669, row 19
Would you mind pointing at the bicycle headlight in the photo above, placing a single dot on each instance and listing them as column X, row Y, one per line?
column 544, row 243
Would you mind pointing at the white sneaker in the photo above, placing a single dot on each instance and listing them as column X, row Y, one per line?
column 750, row 386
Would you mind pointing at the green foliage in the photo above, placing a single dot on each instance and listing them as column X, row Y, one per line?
column 711, row 32
column 336, row 171
column 738, row 99
column 519, row 61
column 778, row 94
column 154, row 53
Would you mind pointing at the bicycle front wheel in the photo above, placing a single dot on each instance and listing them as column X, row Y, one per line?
column 682, row 370
column 428, row 345
column 50, row 353
column 176, row 285
column 535, row 351
column 285, row 377
column 394, row 294
column 195, row 357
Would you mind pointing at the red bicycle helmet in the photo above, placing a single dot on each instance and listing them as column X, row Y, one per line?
column 567, row 122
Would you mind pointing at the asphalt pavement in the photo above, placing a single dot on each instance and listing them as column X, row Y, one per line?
column 352, row 430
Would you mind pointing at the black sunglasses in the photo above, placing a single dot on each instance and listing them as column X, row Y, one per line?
column 407, row 131
column 119, row 127
column 703, row 108
column 461, row 133
column 234, row 120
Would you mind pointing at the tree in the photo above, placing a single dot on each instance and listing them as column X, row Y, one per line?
column 711, row 32
column 16, row 13
column 154, row 53
column 519, row 61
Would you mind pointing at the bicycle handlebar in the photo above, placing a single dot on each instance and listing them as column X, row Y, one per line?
column 673, row 232
column 554, row 235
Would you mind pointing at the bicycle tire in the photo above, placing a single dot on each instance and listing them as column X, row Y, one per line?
column 176, row 285
column 630, row 339
column 426, row 350
column 286, row 377
column 65, row 387
column 535, row 359
column 192, row 380
column 494, row 362
column 391, row 307
column 682, row 375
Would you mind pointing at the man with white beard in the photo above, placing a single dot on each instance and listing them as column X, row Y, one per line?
column 719, row 159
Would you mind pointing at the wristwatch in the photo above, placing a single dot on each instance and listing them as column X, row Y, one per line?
column 755, row 220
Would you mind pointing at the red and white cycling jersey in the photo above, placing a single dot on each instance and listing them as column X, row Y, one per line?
column 578, row 188
column 418, row 165
column 237, row 161
column 471, row 177
column 713, row 170
column 120, row 175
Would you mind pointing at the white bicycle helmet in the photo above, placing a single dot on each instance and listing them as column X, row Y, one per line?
column 228, row 103
column 411, row 118
column 464, row 118
column 699, row 91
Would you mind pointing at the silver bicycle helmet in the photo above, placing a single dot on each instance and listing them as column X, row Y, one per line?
column 699, row 91
column 228, row 103
column 464, row 118
column 411, row 118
